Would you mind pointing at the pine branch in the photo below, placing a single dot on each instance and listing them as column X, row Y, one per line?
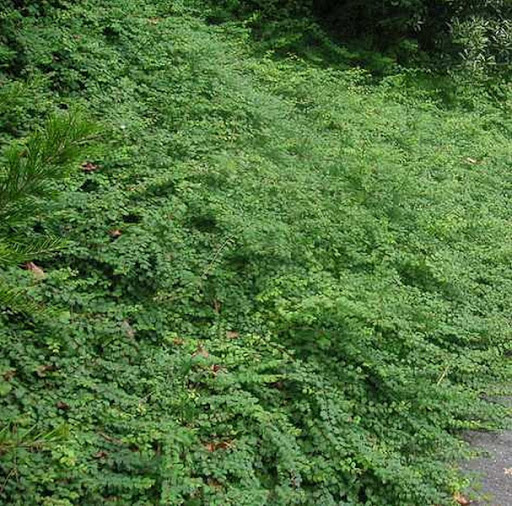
column 14, row 252
column 45, row 157
column 16, row 300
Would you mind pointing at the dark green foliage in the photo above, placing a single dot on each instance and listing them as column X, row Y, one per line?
column 281, row 285
column 479, row 33
column 439, row 33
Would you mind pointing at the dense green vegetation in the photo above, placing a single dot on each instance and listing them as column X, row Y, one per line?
column 282, row 282
column 475, row 35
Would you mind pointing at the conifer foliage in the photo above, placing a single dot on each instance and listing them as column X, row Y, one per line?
column 27, row 175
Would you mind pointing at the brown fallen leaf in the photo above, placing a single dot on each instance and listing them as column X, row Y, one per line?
column 201, row 352
column 212, row 446
column 212, row 482
column 115, row 233
column 128, row 329
column 35, row 269
column 230, row 334
column 460, row 499
column 64, row 406
column 102, row 454
column 43, row 369
column 209, row 446
column 224, row 445
column 89, row 167
column 9, row 375
column 216, row 368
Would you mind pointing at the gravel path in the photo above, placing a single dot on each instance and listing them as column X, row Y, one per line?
column 494, row 468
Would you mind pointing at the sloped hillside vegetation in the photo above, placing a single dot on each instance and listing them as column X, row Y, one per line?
column 280, row 282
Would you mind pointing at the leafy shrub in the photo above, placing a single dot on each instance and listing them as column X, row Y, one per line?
column 476, row 33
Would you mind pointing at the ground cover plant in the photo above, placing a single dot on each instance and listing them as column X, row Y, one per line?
column 281, row 283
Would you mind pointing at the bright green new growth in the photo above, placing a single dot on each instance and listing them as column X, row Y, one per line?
column 283, row 283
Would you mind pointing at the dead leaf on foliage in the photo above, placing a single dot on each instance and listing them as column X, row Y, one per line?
column 102, row 454
column 89, row 167
column 224, row 445
column 460, row 499
column 128, row 329
column 115, row 233
column 43, row 369
column 35, row 269
column 9, row 375
column 64, row 406
column 209, row 446
column 216, row 368
column 212, row 446
column 231, row 334
column 212, row 482
column 201, row 352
